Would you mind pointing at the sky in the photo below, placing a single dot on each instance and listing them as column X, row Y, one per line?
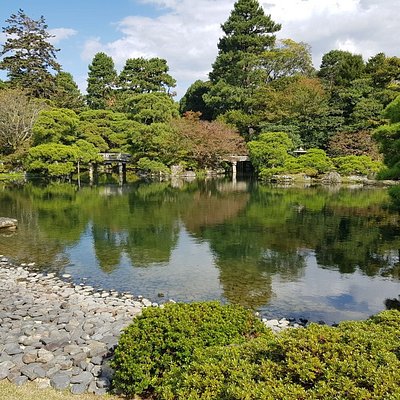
column 186, row 32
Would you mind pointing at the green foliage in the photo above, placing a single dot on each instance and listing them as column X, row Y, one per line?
column 149, row 108
column 141, row 75
column 32, row 57
column 384, row 71
column 54, row 159
column 357, row 165
column 340, row 67
column 193, row 100
column 287, row 58
column 206, row 351
column 388, row 137
column 152, row 166
column 270, row 150
column 67, row 93
column 394, row 193
column 101, row 81
column 248, row 33
column 356, row 361
column 392, row 173
column 157, row 141
column 106, row 129
column 161, row 340
column 57, row 125
column 392, row 111
column 59, row 160
column 300, row 104
column 314, row 162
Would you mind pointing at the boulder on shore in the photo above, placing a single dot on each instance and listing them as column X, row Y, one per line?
column 9, row 223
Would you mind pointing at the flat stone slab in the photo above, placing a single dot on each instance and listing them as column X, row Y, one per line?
column 10, row 223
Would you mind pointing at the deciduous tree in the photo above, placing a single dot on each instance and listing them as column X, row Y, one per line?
column 205, row 144
column 18, row 113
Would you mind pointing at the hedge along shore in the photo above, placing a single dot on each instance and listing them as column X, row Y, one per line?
column 63, row 335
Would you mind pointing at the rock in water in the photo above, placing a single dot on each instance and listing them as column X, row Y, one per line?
column 9, row 223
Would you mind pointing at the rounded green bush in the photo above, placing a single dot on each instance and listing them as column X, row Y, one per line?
column 164, row 339
column 354, row 361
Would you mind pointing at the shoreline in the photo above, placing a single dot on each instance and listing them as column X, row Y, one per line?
column 63, row 335
column 59, row 334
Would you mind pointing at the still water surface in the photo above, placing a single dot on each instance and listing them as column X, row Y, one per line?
column 320, row 253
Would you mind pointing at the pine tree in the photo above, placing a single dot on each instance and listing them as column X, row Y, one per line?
column 28, row 56
column 237, row 70
column 101, row 82
column 67, row 93
column 142, row 75
column 248, row 33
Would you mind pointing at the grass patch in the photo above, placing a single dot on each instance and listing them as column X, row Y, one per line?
column 30, row 391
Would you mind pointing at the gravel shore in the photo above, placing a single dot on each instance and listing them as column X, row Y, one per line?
column 59, row 334
column 63, row 335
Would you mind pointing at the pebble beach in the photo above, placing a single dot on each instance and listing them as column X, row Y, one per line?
column 63, row 335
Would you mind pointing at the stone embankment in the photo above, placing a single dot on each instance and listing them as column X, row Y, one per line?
column 63, row 335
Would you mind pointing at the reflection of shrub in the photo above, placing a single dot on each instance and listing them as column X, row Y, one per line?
column 392, row 304
column 356, row 165
column 163, row 339
column 394, row 193
column 152, row 166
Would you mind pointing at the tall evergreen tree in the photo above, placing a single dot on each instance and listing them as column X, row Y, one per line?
column 248, row 33
column 101, row 80
column 28, row 56
column 237, row 70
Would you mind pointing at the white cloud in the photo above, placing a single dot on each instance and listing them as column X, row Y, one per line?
column 187, row 32
column 61, row 34
column 361, row 26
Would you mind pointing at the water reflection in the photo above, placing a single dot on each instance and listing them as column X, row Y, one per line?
column 281, row 250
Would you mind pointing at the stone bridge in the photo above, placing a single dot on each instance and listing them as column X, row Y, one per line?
column 234, row 160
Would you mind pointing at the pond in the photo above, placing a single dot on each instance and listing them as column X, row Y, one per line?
column 320, row 253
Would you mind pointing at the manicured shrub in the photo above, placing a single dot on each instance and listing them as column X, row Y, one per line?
column 356, row 360
column 152, row 166
column 205, row 351
column 162, row 340
column 314, row 162
column 356, row 165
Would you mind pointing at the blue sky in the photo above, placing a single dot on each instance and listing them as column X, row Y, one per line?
column 186, row 32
